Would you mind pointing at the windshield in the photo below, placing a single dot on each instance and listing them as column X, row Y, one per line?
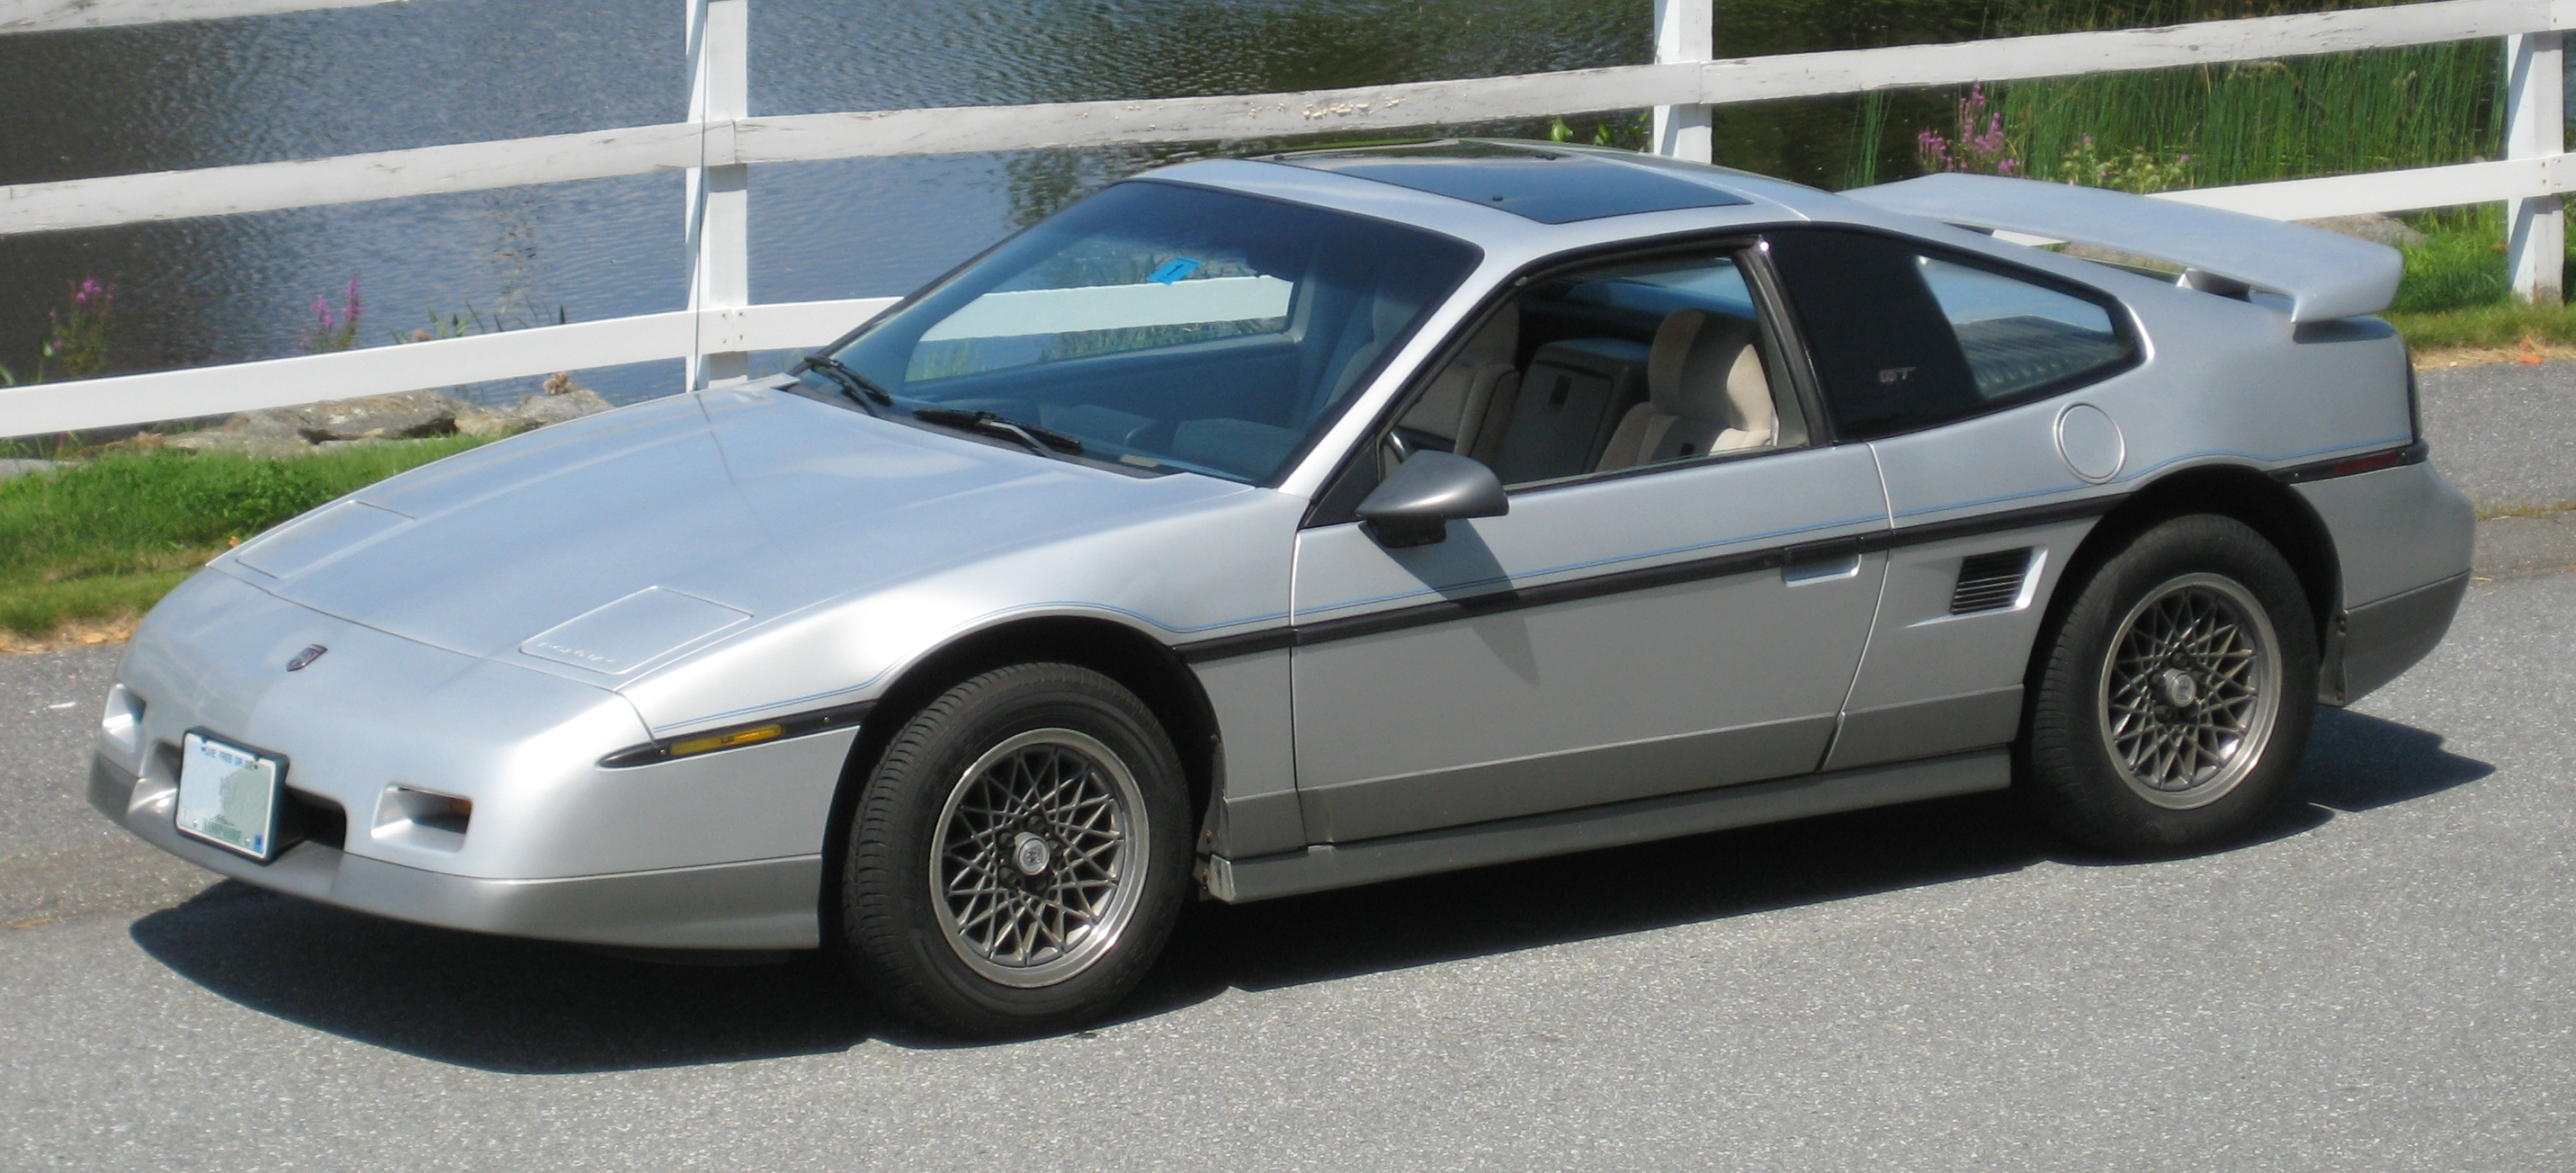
column 1168, row 327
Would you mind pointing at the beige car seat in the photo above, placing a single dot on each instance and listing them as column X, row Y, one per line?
column 1706, row 392
column 1476, row 387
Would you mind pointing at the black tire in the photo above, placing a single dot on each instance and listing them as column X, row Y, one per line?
column 2169, row 747
column 991, row 978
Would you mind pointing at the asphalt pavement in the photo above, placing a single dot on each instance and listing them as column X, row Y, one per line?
column 2504, row 432
column 2384, row 979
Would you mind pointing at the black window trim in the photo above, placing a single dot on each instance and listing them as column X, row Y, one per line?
column 1780, row 338
column 2123, row 322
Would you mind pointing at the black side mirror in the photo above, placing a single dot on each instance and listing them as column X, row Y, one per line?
column 1416, row 502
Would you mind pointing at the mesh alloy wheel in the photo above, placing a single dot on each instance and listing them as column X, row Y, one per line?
column 1042, row 851
column 2190, row 690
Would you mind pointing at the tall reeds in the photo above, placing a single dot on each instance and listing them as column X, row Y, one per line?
column 2246, row 122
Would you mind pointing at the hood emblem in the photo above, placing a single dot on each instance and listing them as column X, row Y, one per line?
column 310, row 653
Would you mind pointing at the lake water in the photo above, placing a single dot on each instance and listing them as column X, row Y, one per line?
column 234, row 288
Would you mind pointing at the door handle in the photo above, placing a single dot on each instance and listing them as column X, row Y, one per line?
column 1825, row 561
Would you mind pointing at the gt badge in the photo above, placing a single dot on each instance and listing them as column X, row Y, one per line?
column 310, row 653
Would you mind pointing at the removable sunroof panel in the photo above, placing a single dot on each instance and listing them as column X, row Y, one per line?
column 1545, row 186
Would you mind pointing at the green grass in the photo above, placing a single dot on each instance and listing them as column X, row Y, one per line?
column 2455, row 295
column 2491, row 327
column 2461, row 268
column 111, row 535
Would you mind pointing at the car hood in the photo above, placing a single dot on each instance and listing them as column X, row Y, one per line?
column 620, row 541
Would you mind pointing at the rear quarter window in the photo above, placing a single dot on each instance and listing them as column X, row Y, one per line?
column 1902, row 338
column 2020, row 338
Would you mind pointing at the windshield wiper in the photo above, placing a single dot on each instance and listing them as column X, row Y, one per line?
column 1043, row 441
column 860, row 389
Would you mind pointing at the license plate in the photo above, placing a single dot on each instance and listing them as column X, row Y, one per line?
column 228, row 796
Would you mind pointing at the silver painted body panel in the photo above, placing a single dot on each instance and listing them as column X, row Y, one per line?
column 1326, row 866
column 1678, row 687
column 499, row 621
column 2395, row 529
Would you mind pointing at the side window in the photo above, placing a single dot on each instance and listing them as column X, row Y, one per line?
column 2021, row 338
column 1903, row 340
column 1625, row 365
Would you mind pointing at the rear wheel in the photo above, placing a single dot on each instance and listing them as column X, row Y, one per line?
column 2177, row 692
column 1019, row 855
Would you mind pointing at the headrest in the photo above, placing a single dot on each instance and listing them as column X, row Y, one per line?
column 1704, row 367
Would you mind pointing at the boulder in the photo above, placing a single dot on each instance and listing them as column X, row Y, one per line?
column 285, row 431
column 289, row 429
column 20, row 467
column 2373, row 227
column 491, row 423
column 555, row 407
column 409, row 416
column 219, row 440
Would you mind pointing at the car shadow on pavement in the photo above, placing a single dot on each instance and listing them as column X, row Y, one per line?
column 533, row 1007
column 2355, row 763
column 496, row 1003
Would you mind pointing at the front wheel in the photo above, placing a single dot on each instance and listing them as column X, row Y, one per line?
column 2175, row 699
column 1019, row 855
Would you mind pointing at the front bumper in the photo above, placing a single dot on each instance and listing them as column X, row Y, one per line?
column 757, row 904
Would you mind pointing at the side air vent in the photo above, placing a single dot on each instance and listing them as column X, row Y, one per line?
column 1989, row 582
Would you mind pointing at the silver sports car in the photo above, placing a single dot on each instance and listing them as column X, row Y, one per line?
column 1261, row 526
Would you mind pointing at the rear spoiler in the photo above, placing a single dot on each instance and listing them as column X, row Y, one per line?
column 2325, row 276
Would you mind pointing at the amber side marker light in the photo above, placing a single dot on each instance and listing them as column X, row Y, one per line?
column 697, row 745
column 735, row 737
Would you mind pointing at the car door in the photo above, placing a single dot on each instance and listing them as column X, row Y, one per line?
column 1987, row 361
column 1641, row 622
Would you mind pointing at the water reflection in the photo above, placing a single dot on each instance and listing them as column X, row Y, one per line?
column 436, row 71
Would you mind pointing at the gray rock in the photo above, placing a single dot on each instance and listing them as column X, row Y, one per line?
column 408, row 416
column 2373, row 227
column 287, row 431
column 19, row 468
column 555, row 407
column 279, row 430
column 249, row 443
column 535, row 411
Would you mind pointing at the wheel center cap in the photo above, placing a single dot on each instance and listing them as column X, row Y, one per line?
column 2175, row 687
column 1030, row 854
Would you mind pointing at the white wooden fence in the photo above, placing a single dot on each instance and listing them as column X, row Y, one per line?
column 716, row 147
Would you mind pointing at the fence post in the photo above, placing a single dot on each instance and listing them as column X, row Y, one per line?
column 1684, row 31
column 718, row 235
column 2535, row 127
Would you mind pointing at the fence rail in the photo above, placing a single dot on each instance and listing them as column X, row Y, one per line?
column 715, row 148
